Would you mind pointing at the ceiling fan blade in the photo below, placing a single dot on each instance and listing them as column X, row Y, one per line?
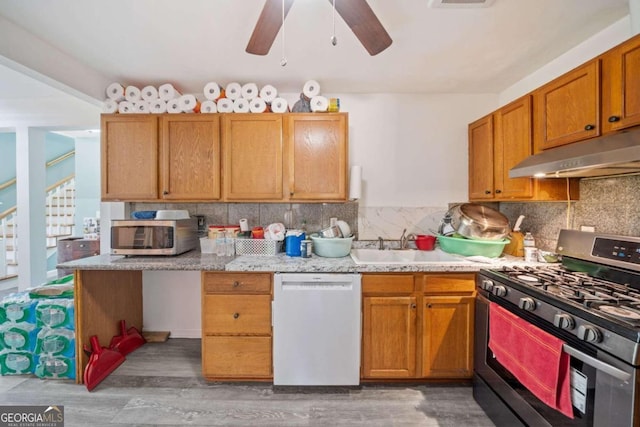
column 365, row 24
column 267, row 27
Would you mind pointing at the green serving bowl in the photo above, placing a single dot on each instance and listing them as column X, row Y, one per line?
column 472, row 247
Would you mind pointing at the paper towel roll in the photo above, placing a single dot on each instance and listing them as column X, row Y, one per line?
column 311, row 88
column 257, row 105
column 279, row 105
column 115, row 91
column 355, row 182
column 249, row 91
column 173, row 106
column 189, row 104
column 125, row 107
column 110, row 106
column 149, row 93
column 132, row 94
column 225, row 105
column 141, row 107
column 208, row 107
column 233, row 91
column 241, row 105
column 319, row 104
column 268, row 93
column 167, row 92
column 212, row 91
column 158, row 106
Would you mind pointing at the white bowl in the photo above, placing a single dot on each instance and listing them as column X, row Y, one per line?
column 332, row 247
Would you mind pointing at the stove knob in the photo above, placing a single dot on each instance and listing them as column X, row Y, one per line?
column 589, row 334
column 487, row 285
column 564, row 321
column 499, row 290
column 527, row 303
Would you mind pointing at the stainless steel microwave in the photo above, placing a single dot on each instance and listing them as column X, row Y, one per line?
column 153, row 236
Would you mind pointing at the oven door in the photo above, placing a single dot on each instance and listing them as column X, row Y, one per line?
column 601, row 386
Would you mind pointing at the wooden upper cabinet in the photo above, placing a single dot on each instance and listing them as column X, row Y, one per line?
column 129, row 157
column 512, row 144
column 190, row 157
column 621, row 86
column 481, row 159
column 317, row 156
column 567, row 109
column 253, row 156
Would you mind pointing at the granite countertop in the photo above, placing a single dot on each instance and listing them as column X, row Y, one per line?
column 195, row 260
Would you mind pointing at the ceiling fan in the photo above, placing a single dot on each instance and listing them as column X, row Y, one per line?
column 356, row 13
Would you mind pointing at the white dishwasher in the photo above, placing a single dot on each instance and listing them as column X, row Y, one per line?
column 316, row 329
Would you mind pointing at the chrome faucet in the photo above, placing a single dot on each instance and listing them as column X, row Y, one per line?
column 380, row 243
column 403, row 239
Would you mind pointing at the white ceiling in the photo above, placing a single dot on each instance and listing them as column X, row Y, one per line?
column 192, row 42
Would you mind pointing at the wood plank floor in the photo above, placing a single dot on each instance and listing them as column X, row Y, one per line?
column 160, row 384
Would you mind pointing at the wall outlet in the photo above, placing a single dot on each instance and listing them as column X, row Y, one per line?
column 588, row 228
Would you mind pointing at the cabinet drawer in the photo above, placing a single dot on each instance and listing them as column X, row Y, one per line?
column 237, row 314
column 236, row 283
column 236, row 357
column 449, row 283
column 387, row 283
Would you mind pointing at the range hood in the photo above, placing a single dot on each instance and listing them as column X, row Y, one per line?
column 609, row 155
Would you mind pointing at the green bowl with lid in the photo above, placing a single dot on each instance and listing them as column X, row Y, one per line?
column 472, row 247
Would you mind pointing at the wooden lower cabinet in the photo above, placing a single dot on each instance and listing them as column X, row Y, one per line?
column 236, row 326
column 418, row 325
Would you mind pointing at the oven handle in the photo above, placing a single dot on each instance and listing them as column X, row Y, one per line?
column 599, row 365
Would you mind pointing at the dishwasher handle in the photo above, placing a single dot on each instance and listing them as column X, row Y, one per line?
column 317, row 286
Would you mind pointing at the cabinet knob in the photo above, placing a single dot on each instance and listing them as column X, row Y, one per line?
column 487, row 191
column 165, row 192
column 429, row 305
column 614, row 119
column 236, row 315
column 589, row 127
column 498, row 191
column 236, row 284
column 413, row 306
column 291, row 193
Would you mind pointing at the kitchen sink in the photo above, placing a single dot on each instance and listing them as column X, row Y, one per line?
column 407, row 256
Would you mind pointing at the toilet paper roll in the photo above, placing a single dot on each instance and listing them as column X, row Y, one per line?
column 115, row 91
column 125, row 107
column 132, row 94
column 167, row 92
column 257, row 105
column 241, row 105
column 141, row 107
column 208, row 107
column 173, row 106
column 311, row 88
column 233, row 91
column 268, row 93
column 225, row 105
column 189, row 104
column 212, row 91
column 149, row 93
column 319, row 104
column 158, row 106
column 355, row 182
column 279, row 105
column 249, row 91
column 110, row 106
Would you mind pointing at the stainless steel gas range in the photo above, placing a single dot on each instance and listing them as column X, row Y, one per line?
column 591, row 302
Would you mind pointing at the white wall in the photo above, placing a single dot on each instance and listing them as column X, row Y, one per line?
column 87, row 180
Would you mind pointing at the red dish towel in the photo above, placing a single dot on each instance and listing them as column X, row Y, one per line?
column 533, row 356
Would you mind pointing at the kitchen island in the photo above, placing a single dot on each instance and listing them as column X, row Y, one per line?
column 109, row 288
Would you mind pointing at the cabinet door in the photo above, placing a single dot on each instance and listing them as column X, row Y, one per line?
column 129, row 157
column 621, row 86
column 568, row 108
column 190, row 157
column 317, row 156
column 481, row 159
column 512, row 144
column 389, row 337
column 447, row 350
column 253, row 151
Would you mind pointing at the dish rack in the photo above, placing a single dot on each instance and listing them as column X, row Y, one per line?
column 258, row 247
